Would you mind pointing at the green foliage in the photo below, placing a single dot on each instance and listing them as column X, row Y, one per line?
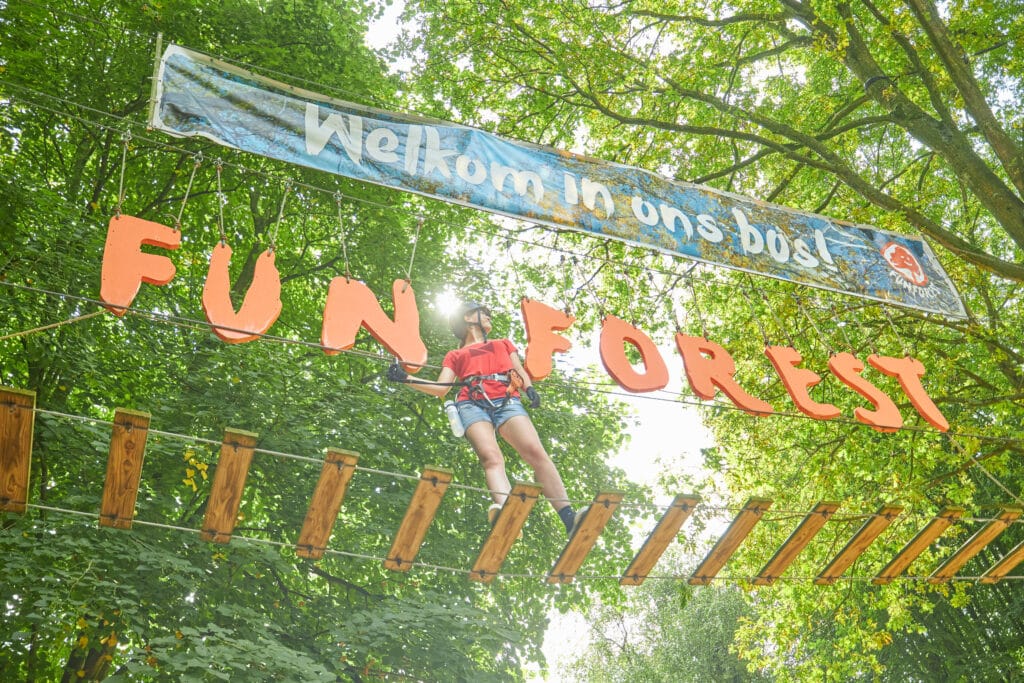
column 156, row 602
column 667, row 631
column 904, row 116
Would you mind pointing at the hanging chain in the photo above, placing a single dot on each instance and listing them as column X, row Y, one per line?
column 412, row 259
column 822, row 337
column 195, row 167
column 753, row 310
column 221, row 200
column 125, row 139
column 344, row 237
column 280, row 215
column 903, row 345
column 778, row 321
column 696, row 306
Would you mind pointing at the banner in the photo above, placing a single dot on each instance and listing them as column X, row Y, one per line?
column 196, row 95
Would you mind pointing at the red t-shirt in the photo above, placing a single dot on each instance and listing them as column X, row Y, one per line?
column 485, row 358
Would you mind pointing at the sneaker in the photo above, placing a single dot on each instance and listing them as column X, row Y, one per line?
column 492, row 514
column 492, row 518
column 578, row 520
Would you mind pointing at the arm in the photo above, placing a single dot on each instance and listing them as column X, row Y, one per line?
column 517, row 365
column 438, row 387
column 528, row 390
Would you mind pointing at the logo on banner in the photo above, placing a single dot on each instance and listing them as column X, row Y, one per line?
column 905, row 263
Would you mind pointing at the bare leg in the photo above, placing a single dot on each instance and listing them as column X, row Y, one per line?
column 520, row 433
column 485, row 443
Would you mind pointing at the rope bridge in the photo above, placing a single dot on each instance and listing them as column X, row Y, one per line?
column 130, row 429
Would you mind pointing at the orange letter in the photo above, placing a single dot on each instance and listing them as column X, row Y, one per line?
column 351, row 305
column 260, row 307
column 886, row 416
column 541, row 342
column 715, row 370
column 798, row 380
column 126, row 266
column 613, row 333
column 909, row 372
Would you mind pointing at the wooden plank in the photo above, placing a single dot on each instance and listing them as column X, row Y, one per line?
column 17, row 419
column 422, row 508
column 730, row 541
column 228, row 482
column 860, row 542
column 795, row 544
column 916, row 546
column 1005, row 565
column 505, row 531
column 663, row 534
column 335, row 475
column 974, row 544
column 576, row 550
column 124, row 468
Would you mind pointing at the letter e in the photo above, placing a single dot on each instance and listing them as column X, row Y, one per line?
column 797, row 381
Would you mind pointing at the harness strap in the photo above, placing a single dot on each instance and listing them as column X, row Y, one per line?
column 502, row 377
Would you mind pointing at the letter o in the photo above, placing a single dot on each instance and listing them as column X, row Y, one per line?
column 462, row 167
column 614, row 332
column 778, row 245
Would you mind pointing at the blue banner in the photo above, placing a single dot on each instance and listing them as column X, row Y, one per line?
column 196, row 95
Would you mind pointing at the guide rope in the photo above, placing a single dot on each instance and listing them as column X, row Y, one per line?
column 125, row 139
column 344, row 237
column 197, row 161
column 280, row 215
column 221, row 200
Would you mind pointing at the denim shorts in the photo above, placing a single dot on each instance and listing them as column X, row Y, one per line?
column 472, row 412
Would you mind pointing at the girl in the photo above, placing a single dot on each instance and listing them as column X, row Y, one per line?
column 492, row 379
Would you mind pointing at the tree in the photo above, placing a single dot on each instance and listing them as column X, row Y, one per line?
column 157, row 603
column 903, row 116
column 667, row 631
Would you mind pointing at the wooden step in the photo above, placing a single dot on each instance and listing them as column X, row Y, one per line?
column 17, row 420
column 228, row 481
column 505, row 531
column 124, row 468
column 860, row 542
column 795, row 544
column 587, row 533
column 747, row 518
column 422, row 508
column 335, row 475
column 664, row 533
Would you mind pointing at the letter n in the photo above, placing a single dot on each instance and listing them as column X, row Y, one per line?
column 351, row 305
column 126, row 266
